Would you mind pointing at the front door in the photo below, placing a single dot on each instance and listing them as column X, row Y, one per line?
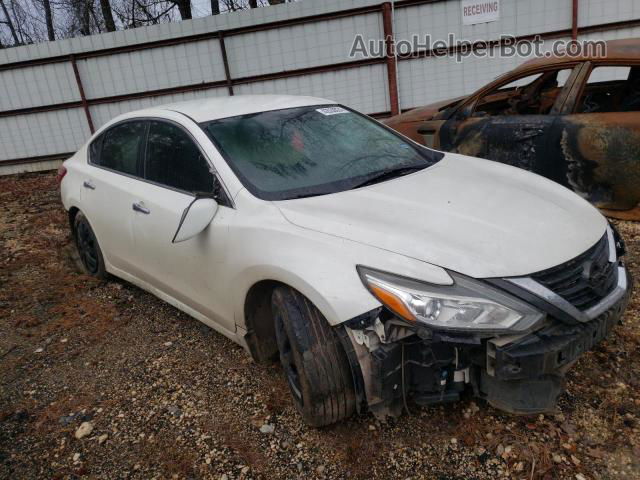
column 513, row 122
column 190, row 272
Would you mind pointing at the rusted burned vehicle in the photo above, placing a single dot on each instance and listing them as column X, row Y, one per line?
column 573, row 120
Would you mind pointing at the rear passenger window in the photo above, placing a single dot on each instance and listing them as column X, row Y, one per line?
column 94, row 150
column 121, row 147
column 174, row 160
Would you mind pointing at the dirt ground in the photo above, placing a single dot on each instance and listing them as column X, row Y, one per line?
column 166, row 397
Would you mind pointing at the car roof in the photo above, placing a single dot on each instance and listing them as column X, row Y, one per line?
column 207, row 109
column 616, row 50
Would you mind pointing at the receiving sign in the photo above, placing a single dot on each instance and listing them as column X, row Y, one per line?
column 480, row 11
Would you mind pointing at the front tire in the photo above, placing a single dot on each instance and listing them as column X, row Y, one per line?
column 88, row 247
column 314, row 362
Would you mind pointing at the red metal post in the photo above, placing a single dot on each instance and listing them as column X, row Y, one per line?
column 85, row 104
column 392, row 72
column 225, row 61
column 574, row 20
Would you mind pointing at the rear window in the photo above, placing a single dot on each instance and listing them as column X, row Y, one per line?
column 120, row 148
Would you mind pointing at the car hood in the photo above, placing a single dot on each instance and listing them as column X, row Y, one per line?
column 472, row 216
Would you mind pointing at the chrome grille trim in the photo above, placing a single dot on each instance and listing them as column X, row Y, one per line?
column 537, row 288
column 530, row 285
column 585, row 280
column 612, row 244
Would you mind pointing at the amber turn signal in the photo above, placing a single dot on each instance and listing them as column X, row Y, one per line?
column 392, row 302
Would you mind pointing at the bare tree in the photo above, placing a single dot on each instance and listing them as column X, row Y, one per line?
column 184, row 6
column 81, row 16
column 107, row 15
column 28, row 21
column 9, row 23
column 48, row 18
column 233, row 5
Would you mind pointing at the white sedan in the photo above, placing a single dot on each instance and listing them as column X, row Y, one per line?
column 380, row 271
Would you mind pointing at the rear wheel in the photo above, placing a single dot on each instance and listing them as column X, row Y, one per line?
column 88, row 247
column 314, row 362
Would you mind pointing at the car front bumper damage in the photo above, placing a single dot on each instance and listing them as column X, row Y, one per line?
column 524, row 374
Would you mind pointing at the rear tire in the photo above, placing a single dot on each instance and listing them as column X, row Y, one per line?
column 88, row 247
column 314, row 362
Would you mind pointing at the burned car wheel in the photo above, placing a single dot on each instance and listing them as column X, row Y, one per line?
column 314, row 362
column 88, row 247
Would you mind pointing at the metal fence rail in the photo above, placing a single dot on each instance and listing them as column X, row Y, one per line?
column 56, row 94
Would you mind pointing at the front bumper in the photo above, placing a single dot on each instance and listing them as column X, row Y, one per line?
column 525, row 374
column 521, row 374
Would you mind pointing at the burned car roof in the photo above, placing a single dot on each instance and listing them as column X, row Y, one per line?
column 625, row 50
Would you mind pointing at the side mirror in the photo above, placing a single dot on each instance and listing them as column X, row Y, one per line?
column 195, row 218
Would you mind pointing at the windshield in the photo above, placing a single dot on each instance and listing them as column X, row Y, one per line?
column 314, row 150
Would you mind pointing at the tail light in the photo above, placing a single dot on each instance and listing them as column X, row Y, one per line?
column 62, row 171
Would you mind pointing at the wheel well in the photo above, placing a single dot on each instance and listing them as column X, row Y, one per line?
column 261, row 334
column 73, row 211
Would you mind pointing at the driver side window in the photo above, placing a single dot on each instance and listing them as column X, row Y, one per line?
column 533, row 94
column 174, row 160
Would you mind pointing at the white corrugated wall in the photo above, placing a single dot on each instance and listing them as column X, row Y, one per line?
column 277, row 50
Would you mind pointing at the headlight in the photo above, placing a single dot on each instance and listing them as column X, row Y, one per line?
column 466, row 305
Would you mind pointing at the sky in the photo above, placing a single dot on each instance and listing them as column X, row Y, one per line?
column 35, row 29
column 202, row 8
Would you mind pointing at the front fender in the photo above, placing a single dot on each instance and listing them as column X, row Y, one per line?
column 320, row 266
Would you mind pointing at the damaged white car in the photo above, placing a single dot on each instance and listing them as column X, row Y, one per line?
column 380, row 271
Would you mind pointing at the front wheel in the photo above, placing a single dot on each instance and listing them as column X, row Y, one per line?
column 314, row 362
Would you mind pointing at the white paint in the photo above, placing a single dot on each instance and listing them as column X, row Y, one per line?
column 476, row 217
column 215, row 108
column 461, row 205
column 196, row 219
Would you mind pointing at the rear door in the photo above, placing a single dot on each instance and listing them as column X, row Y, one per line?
column 190, row 272
column 511, row 122
column 600, row 135
column 108, row 183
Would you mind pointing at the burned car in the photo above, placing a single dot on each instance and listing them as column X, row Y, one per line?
column 573, row 120
column 379, row 271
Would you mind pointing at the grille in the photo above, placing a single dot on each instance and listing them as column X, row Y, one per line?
column 584, row 280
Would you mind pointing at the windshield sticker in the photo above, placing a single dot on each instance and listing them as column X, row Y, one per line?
column 331, row 110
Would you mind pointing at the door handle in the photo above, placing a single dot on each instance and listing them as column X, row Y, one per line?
column 527, row 132
column 88, row 184
column 139, row 207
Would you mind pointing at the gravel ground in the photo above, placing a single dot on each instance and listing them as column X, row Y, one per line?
column 102, row 380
